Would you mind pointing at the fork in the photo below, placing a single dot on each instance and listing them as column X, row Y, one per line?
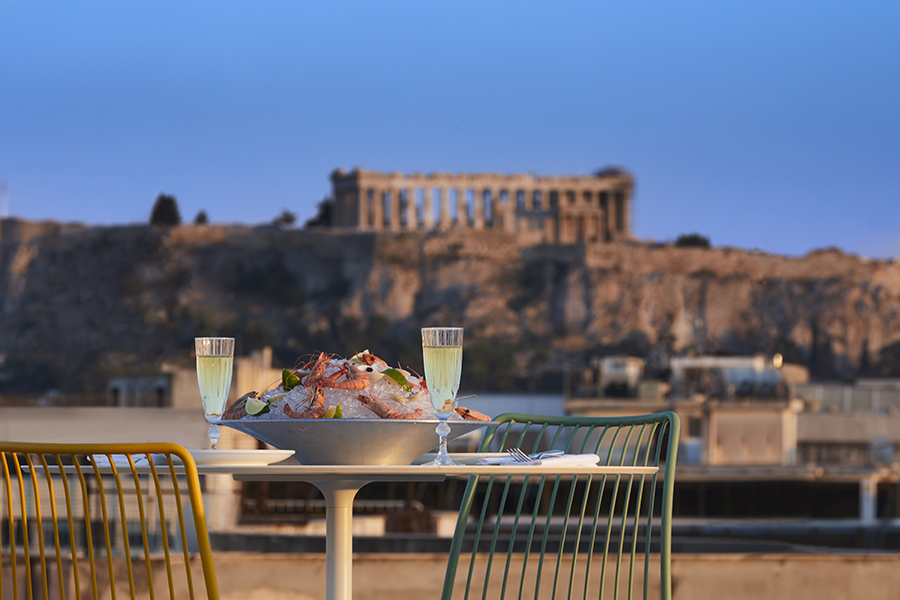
column 519, row 456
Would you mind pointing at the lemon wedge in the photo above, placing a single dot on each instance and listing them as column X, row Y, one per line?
column 329, row 413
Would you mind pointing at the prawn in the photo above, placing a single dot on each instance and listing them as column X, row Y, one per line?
column 316, row 410
column 386, row 412
column 471, row 415
column 316, row 371
column 368, row 358
column 356, row 379
column 236, row 409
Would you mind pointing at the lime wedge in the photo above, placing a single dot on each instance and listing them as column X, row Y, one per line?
column 256, row 407
column 339, row 412
column 397, row 377
column 329, row 414
column 289, row 380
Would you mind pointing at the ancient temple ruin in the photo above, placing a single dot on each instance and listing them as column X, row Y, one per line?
column 564, row 210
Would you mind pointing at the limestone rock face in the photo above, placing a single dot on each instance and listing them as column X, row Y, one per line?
column 135, row 296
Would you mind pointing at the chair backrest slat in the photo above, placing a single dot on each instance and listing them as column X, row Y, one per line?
column 104, row 510
column 570, row 536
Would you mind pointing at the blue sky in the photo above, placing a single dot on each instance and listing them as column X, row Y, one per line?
column 766, row 125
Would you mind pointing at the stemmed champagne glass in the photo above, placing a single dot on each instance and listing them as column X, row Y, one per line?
column 215, row 361
column 442, row 351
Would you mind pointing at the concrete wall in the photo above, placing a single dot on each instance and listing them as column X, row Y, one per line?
column 785, row 576
column 695, row 577
column 186, row 427
column 752, row 435
column 102, row 424
column 847, row 427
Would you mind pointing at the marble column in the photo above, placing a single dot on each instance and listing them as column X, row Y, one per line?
column 427, row 207
column 527, row 200
column 603, row 202
column 378, row 209
column 445, row 209
column 626, row 212
column 394, row 198
column 462, row 208
column 612, row 219
column 478, row 208
column 496, row 214
column 362, row 206
column 551, row 231
column 496, row 209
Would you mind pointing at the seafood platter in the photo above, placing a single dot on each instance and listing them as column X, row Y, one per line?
column 336, row 411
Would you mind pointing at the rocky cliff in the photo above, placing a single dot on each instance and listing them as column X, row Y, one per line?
column 81, row 304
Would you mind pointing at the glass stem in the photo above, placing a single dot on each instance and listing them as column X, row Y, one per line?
column 442, row 430
column 214, row 434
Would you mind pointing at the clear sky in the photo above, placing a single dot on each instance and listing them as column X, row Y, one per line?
column 764, row 124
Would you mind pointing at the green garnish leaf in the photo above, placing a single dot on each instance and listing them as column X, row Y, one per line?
column 398, row 378
column 289, row 380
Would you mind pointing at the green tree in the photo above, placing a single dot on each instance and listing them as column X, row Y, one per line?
column 692, row 240
column 165, row 211
column 286, row 219
column 323, row 217
column 202, row 218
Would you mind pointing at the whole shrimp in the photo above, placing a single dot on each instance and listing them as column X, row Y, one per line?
column 316, row 371
column 471, row 415
column 236, row 409
column 368, row 358
column 316, row 410
column 355, row 379
column 386, row 412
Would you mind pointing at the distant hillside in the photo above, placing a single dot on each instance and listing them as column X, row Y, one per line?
column 82, row 304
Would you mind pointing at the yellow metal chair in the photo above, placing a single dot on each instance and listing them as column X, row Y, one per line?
column 570, row 536
column 102, row 520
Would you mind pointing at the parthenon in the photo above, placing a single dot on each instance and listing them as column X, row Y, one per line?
column 565, row 210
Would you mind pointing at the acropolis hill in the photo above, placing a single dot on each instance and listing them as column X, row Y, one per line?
column 82, row 303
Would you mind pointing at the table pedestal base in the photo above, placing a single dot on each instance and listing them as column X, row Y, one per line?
column 339, row 497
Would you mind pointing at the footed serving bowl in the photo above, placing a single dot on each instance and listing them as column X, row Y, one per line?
column 352, row 441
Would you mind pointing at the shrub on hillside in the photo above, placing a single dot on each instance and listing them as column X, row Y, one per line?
column 692, row 240
column 165, row 211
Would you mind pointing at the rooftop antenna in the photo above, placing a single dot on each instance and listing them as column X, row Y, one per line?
column 4, row 199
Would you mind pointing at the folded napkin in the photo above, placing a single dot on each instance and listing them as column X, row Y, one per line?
column 562, row 460
column 121, row 460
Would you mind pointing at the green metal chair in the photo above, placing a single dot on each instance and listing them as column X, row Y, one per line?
column 91, row 520
column 582, row 536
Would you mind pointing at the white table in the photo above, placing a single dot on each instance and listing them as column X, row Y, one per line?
column 339, row 484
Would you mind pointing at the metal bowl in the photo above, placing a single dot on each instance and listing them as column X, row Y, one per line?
column 352, row 441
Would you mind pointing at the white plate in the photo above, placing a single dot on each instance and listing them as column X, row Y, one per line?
column 463, row 458
column 251, row 458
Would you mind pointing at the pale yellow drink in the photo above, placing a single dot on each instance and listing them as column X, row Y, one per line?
column 443, row 365
column 214, row 377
